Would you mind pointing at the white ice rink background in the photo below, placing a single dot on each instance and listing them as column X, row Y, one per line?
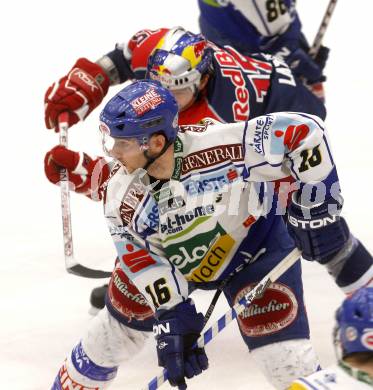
column 43, row 309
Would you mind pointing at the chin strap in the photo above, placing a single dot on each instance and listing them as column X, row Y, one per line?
column 150, row 159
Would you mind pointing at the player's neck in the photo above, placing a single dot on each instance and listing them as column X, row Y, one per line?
column 163, row 167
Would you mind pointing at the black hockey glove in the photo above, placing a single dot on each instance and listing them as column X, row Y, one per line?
column 176, row 330
column 318, row 231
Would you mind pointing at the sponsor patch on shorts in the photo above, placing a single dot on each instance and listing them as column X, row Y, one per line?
column 274, row 311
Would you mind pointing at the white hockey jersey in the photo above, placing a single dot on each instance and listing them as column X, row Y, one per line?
column 334, row 377
column 190, row 228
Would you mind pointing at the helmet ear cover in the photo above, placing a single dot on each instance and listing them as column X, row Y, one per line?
column 353, row 332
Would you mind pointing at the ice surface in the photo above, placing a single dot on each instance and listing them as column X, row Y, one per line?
column 43, row 309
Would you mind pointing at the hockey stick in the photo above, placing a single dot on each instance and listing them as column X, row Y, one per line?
column 317, row 87
column 72, row 266
column 322, row 29
column 224, row 283
column 236, row 310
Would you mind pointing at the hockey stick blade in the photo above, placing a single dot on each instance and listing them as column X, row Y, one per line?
column 72, row 266
column 287, row 262
column 85, row 272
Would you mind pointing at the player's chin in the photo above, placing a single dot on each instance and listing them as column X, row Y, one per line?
column 125, row 164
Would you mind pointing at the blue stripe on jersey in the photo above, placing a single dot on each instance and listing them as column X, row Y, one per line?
column 261, row 164
column 244, row 138
column 292, row 168
column 327, row 146
column 312, row 119
column 307, row 383
column 245, row 173
column 176, row 281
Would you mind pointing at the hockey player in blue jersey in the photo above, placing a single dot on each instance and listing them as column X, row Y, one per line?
column 353, row 340
column 271, row 26
column 171, row 237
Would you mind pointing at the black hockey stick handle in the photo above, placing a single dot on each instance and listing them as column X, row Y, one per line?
column 212, row 306
column 322, row 29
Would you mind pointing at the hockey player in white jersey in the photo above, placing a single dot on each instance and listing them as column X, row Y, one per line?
column 188, row 208
column 353, row 340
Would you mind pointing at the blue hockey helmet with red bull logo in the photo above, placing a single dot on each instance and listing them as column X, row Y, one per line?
column 180, row 59
column 140, row 110
column 354, row 329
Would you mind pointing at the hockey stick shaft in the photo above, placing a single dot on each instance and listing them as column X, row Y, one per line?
column 223, row 284
column 322, row 29
column 72, row 266
column 63, row 125
column 287, row 262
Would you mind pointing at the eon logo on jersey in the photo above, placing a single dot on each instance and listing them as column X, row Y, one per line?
column 202, row 256
column 275, row 310
column 126, row 299
column 239, row 70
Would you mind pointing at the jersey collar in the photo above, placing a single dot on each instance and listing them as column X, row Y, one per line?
column 361, row 376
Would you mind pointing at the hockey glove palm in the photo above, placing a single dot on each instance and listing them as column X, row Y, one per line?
column 318, row 231
column 78, row 93
column 84, row 173
column 176, row 330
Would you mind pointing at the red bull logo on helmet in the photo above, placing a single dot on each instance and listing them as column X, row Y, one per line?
column 193, row 53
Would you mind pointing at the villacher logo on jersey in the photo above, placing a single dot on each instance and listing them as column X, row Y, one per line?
column 126, row 298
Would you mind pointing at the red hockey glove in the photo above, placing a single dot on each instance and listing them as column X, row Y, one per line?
column 78, row 93
column 84, row 173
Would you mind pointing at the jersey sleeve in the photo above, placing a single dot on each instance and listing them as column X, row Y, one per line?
column 282, row 144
